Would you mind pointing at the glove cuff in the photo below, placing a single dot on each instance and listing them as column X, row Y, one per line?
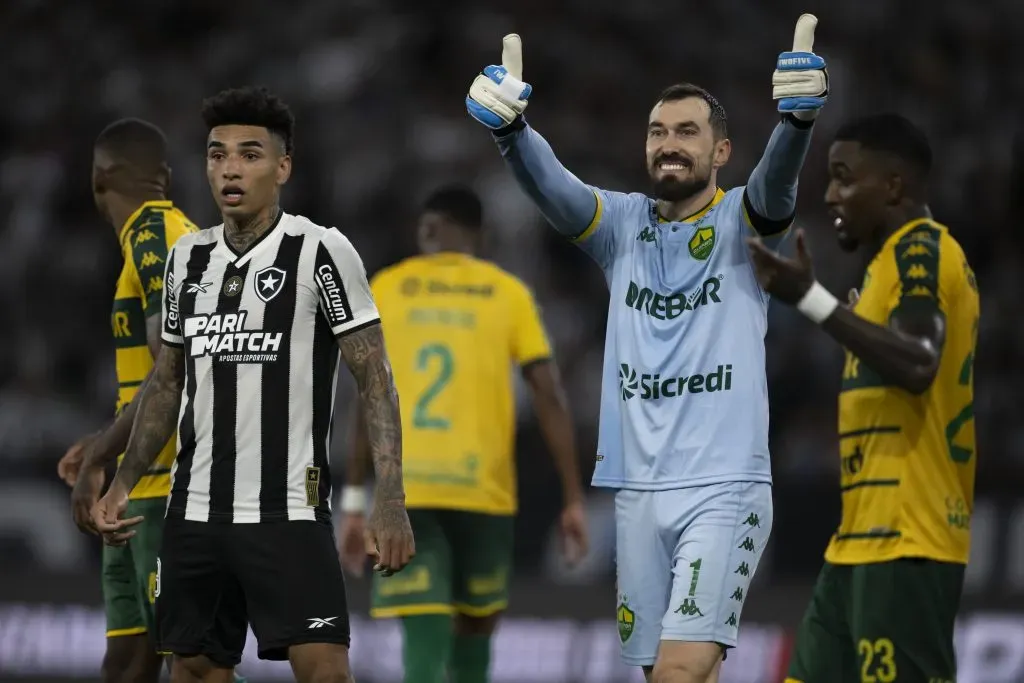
column 797, row 121
column 517, row 125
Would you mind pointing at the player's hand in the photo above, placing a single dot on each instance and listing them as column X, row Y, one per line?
column 106, row 516
column 784, row 278
column 71, row 463
column 84, row 496
column 498, row 96
column 351, row 543
column 574, row 535
column 800, row 81
column 388, row 538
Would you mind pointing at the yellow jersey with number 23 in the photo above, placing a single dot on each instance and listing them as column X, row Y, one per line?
column 146, row 237
column 908, row 461
column 455, row 328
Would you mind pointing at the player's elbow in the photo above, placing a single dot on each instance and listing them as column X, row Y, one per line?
column 920, row 377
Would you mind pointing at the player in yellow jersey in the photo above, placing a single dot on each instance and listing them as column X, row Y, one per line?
column 885, row 603
column 455, row 327
column 130, row 178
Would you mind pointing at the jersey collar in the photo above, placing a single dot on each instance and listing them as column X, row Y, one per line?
column 719, row 195
column 907, row 227
column 153, row 204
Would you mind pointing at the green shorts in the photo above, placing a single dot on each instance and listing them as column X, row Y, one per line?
column 890, row 622
column 462, row 564
column 130, row 573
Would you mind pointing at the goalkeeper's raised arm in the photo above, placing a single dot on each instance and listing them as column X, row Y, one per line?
column 800, row 87
column 497, row 99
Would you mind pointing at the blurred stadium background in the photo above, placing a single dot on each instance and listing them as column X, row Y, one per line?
column 377, row 87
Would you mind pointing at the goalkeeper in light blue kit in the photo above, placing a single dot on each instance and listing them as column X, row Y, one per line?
column 684, row 401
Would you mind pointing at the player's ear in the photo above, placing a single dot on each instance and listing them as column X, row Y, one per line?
column 723, row 150
column 284, row 169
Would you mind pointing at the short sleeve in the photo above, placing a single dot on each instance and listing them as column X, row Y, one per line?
column 344, row 292
column 149, row 250
column 529, row 340
column 172, row 277
column 920, row 283
column 602, row 238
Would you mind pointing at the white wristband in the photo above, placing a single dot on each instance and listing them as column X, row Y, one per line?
column 353, row 500
column 818, row 303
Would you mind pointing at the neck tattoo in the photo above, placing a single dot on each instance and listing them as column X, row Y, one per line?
column 243, row 233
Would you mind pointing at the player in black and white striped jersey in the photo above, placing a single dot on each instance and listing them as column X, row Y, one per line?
column 256, row 311
column 258, row 334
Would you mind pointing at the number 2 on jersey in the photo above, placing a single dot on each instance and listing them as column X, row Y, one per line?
column 960, row 454
column 436, row 359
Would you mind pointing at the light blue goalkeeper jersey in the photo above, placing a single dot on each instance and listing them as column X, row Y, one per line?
column 684, row 399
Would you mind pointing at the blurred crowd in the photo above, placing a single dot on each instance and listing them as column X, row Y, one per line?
column 377, row 87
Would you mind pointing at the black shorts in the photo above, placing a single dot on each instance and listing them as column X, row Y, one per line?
column 215, row 579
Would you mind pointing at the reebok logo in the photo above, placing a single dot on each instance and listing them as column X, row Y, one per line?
column 671, row 306
column 652, row 387
column 317, row 622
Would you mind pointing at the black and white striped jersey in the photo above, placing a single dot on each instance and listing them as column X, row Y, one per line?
column 258, row 332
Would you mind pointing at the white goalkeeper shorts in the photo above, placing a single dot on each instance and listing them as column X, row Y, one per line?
column 685, row 559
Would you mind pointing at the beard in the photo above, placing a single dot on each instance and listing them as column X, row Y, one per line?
column 671, row 188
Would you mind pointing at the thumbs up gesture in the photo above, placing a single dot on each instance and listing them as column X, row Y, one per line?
column 800, row 81
column 498, row 96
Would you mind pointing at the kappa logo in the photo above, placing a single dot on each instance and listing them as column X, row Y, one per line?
column 269, row 283
column 149, row 259
column 689, row 609
column 317, row 622
column 198, row 287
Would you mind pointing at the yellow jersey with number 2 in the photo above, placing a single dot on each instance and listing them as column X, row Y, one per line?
column 908, row 461
column 146, row 237
column 455, row 328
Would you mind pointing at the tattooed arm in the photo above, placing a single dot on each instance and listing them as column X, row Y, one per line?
column 156, row 418
column 390, row 535
column 154, row 425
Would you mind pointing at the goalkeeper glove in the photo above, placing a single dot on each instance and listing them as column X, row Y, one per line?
column 498, row 96
column 800, row 81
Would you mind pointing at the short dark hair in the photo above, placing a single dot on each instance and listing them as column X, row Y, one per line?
column 459, row 203
column 891, row 133
column 684, row 91
column 251, row 106
column 137, row 142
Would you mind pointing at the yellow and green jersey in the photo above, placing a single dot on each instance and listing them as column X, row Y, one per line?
column 456, row 328
column 908, row 461
column 145, row 238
